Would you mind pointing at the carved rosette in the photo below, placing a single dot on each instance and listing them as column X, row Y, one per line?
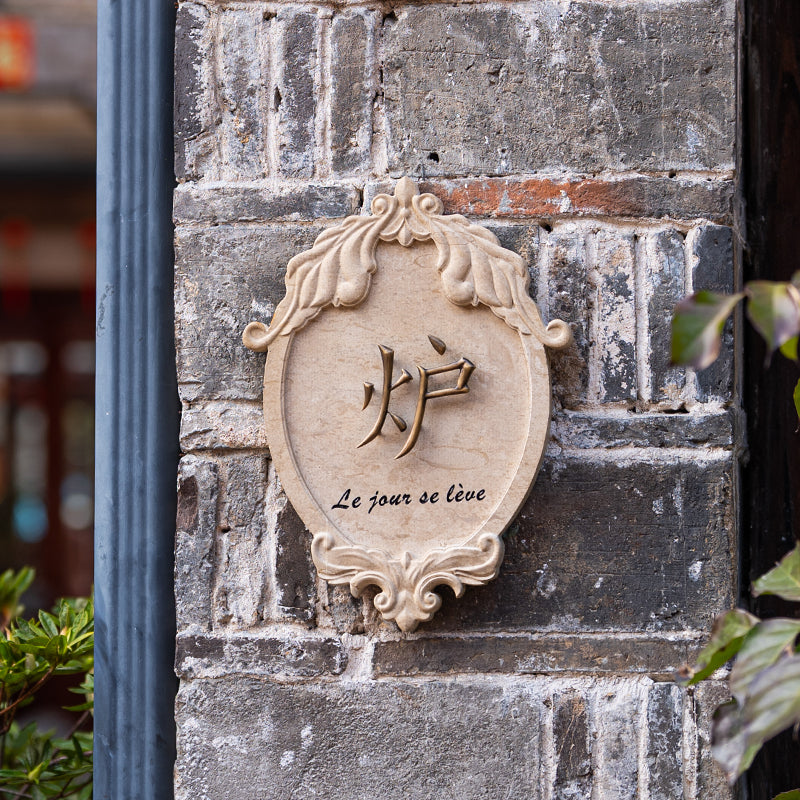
column 474, row 271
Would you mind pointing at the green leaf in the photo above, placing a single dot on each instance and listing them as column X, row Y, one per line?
column 727, row 636
column 774, row 310
column 48, row 622
column 773, row 704
column 782, row 580
column 761, row 648
column 796, row 398
column 730, row 745
column 697, row 325
column 793, row 795
column 789, row 348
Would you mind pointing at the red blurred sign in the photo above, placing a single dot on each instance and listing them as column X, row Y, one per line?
column 16, row 53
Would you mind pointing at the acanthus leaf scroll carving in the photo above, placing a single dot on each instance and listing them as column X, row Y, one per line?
column 474, row 268
column 474, row 272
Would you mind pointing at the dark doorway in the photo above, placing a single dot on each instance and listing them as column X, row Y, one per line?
column 771, row 176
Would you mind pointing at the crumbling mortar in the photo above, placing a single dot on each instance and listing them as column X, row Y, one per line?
column 322, row 93
column 642, row 294
column 689, row 743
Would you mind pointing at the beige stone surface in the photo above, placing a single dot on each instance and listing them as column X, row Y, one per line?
column 408, row 424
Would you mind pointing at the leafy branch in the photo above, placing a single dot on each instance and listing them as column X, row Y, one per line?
column 36, row 764
column 765, row 678
column 773, row 308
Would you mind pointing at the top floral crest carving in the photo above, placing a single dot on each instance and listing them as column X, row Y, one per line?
column 474, row 268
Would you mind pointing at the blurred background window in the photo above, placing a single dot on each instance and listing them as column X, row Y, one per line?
column 47, row 287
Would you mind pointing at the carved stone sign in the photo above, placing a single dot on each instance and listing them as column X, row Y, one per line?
column 407, row 399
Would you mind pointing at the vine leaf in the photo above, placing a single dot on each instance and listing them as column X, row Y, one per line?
column 771, row 706
column 761, row 648
column 697, row 327
column 783, row 579
column 726, row 640
column 774, row 310
column 796, row 398
column 789, row 348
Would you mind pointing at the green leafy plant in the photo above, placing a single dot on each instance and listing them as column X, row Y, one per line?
column 33, row 763
column 773, row 308
column 765, row 678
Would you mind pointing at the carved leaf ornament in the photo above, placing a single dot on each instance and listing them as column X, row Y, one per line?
column 407, row 423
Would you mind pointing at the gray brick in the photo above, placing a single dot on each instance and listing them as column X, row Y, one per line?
column 294, row 569
column 225, row 278
column 664, row 268
column 194, row 542
column 570, row 299
column 614, row 332
column 571, row 196
column 294, row 98
column 436, row 740
column 191, row 45
column 665, row 741
column 710, row 777
column 581, row 429
column 222, row 426
column 610, row 545
column 237, row 203
column 494, row 90
column 242, row 75
column 214, row 656
column 243, row 554
column 572, row 748
column 353, row 91
column 616, row 709
column 550, row 652
column 712, row 249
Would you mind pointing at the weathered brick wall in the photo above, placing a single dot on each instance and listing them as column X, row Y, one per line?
column 596, row 139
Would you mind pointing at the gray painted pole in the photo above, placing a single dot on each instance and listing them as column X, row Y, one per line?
column 137, row 405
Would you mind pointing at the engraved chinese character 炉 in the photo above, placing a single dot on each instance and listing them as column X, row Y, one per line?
column 464, row 367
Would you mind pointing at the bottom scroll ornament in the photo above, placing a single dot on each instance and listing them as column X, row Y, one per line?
column 407, row 583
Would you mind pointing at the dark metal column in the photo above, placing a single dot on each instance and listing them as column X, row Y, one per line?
column 137, row 405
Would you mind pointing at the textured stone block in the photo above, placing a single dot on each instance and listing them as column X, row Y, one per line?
column 290, row 657
column 225, row 278
column 354, row 86
column 294, row 99
column 259, row 203
column 571, row 298
column 549, row 652
column 665, row 741
column 614, row 328
column 616, row 544
column 194, row 542
column 572, row 745
column 617, row 713
column 648, row 197
column 712, row 251
column 493, row 90
column 294, row 570
column 222, row 426
column 243, row 565
column 191, row 111
column 242, row 88
column 710, row 777
column 665, row 268
column 428, row 741
column 630, row 429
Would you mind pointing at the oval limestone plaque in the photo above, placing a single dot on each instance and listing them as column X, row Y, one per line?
column 407, row 399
